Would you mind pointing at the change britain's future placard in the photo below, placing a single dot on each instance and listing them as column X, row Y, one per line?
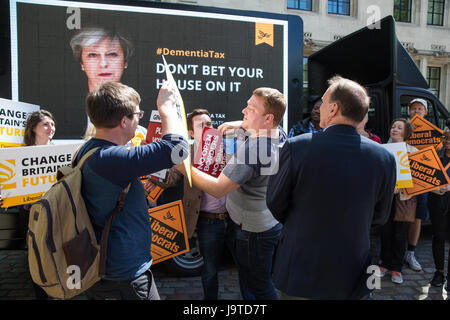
column 398, row 150
column 28, row 172
column 13, row 116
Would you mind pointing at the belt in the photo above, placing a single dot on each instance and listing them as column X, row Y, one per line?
column 209, row 215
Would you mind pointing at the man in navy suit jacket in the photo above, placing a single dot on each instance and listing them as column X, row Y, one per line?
column 330, row 188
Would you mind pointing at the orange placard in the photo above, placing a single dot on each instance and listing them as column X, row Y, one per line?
column 425, row 134
column 427, row 172
column 155, row 193
column 169, row 234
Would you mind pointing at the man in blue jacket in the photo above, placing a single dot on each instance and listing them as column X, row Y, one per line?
column 114, row 110
column 330, row 187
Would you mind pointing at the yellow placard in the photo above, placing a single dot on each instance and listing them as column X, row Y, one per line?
column 263, row 33
column 11, row 144
column 19, row 200
column 403, row 172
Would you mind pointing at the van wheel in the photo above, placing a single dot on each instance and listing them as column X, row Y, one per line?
column 188, row 264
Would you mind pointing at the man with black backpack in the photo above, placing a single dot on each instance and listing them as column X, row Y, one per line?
column 114, row 110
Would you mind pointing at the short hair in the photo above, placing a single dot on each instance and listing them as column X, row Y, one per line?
column 351, row 97
column 408, row 127
column 195, row 112
column 110, row 102
column 274, row 103
column 90, row 36
column 32, row 121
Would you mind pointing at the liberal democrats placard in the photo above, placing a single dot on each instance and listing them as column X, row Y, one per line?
column 27, row 172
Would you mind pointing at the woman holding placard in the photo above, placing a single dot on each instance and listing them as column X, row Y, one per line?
column 439, row 206
column 39, row 130
column 394, row 232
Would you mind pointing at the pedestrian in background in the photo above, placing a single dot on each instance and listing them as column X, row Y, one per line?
column 394, row 233
column 439, row 206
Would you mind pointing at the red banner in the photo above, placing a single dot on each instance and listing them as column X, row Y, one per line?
column 210, row 155
column 154, row 128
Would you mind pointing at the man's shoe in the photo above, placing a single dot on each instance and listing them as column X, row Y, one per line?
column 438, row 279
column 396, row 277
column 410, row 259
column 381, row 272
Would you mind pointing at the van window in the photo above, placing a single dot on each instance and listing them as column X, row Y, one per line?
column 433, row 115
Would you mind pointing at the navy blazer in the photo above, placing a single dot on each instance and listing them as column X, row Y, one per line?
column 330, row 188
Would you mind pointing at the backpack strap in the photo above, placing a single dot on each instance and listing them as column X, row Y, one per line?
column 119, row 206
column 83, row 159
column 107, row 228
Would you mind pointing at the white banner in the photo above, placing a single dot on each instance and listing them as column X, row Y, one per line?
column 13, row 116
column 27, row 172
column 398, row 150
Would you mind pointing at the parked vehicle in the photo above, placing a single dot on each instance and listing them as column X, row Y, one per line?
column 217, row 56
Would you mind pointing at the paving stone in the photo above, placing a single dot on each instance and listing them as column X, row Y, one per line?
column 15, row 281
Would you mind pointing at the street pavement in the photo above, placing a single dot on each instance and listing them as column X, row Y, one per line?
column 15, row 281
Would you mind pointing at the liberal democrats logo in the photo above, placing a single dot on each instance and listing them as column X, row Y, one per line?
column 7, row 174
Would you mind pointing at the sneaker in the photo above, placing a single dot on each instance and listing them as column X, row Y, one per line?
column 411, row 261
column 438, row 279
column 396, row 277
column 381, row 272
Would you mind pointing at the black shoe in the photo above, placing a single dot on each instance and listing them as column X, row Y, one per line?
column 438, row 279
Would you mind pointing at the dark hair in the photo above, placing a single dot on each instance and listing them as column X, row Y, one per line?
column 274, row 103
column 110, row 102
column 447, row 123
column 408, row 127
column 32, row 121
column 351, row 97
column 195, row 112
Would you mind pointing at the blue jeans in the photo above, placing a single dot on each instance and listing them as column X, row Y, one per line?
column 253, row 254
column 212, row 234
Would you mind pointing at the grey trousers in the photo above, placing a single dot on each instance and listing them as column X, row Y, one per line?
column 141, row 288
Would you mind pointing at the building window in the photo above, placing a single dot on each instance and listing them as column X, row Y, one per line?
column 339, row 7
column 434, row 79
column 402, row 10
column 436, row 12
column 300, row 4
column 305, row 84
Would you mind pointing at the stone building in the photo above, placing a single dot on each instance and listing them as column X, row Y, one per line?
column 423, row 27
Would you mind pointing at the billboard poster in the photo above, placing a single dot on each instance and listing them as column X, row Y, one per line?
column 61, row 51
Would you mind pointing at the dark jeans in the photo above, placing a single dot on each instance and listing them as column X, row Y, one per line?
column 440, row 221
column 394, row 235
column 254, row 252
column 212, row 234
column 141, row 288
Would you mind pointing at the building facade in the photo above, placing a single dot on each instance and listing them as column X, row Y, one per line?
column 423, row 27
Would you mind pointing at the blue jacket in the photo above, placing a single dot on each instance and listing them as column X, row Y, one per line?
column 105, row 174
column 330, row 188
